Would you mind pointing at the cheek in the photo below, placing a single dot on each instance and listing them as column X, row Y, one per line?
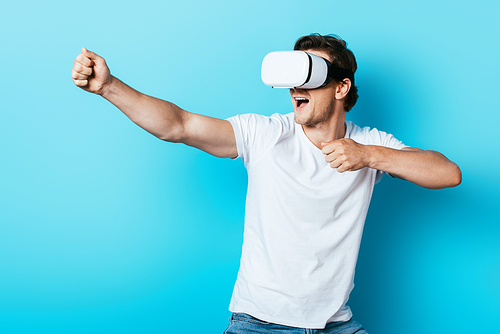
column 325, row 104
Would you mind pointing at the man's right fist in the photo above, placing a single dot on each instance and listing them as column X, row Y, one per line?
column 91, row 73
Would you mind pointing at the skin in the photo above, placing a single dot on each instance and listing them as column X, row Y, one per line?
column 323, row 121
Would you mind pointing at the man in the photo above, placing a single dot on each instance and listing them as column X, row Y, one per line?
column 311, row 177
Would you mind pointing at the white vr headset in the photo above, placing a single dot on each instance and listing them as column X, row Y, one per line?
column 299, row 69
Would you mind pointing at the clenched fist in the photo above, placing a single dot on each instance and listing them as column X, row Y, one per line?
column 91, row 73
column 346, row 155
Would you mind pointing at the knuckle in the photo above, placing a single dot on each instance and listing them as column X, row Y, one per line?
column 84, row 70
column 82, row 59
column 76, row 75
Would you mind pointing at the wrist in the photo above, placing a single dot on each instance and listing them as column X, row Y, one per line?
column 370, row 155
column 107, row 88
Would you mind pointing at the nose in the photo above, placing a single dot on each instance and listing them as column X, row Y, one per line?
column 296, row 90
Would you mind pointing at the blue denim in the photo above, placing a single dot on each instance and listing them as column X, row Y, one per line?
column 241, row 323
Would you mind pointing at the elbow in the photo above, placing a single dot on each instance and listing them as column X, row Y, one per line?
column 448, row 178
column 456, row 176
column 453, row 177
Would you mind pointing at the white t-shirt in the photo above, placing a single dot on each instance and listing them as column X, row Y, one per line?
column 303, row 223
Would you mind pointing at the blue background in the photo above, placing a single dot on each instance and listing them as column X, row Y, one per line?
column 106, row 229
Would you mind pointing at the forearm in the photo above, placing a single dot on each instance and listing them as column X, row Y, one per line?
column 429, row 169
column 160, row 118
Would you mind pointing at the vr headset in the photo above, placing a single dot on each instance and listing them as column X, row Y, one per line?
column 299, row 69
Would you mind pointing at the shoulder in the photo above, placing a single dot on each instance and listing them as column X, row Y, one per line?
column 371, row 136
column 257, row 122
column 261, row 119
column 256, row 134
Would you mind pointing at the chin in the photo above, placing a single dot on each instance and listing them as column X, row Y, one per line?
column 300, row 119
column 303, row 118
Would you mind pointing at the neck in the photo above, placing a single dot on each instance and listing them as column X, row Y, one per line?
column 332, row 129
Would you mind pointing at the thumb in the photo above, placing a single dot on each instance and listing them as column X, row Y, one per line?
column 98, row 60
column 323, row 144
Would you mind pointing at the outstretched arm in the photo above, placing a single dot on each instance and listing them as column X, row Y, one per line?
column 429, row 169
column 161, row 118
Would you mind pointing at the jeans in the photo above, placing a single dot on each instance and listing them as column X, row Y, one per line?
column 241, row 323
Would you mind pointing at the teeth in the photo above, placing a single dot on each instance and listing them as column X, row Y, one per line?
column 300, row 98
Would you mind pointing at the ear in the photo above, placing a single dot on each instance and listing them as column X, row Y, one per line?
column 342, row 89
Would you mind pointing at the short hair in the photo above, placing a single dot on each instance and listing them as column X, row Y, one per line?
column 340, row 55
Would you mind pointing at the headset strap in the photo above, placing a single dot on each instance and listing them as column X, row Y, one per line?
column 339, row 73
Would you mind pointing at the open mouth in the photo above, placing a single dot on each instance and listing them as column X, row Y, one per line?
column 301, row 102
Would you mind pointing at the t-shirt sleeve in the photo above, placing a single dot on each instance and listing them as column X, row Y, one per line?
column 368, row 136
column 256, row 134
column 387, row 140
column 392, row 142
column 381, row 138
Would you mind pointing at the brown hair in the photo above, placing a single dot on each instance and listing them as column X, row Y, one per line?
column 340, row 55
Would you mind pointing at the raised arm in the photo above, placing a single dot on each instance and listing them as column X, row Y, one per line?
column 161, row 118
column 429, row 169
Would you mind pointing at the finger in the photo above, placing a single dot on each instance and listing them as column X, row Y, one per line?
column 335, row 164
column 329, row 147
column 78, row 76
column 85, row 61
column 81, row 83
column 331, row 157
column 323, row 145
column 339, row 161
column 98, row 60
column 344, row 166
column 79, row 68
column 342, row 169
